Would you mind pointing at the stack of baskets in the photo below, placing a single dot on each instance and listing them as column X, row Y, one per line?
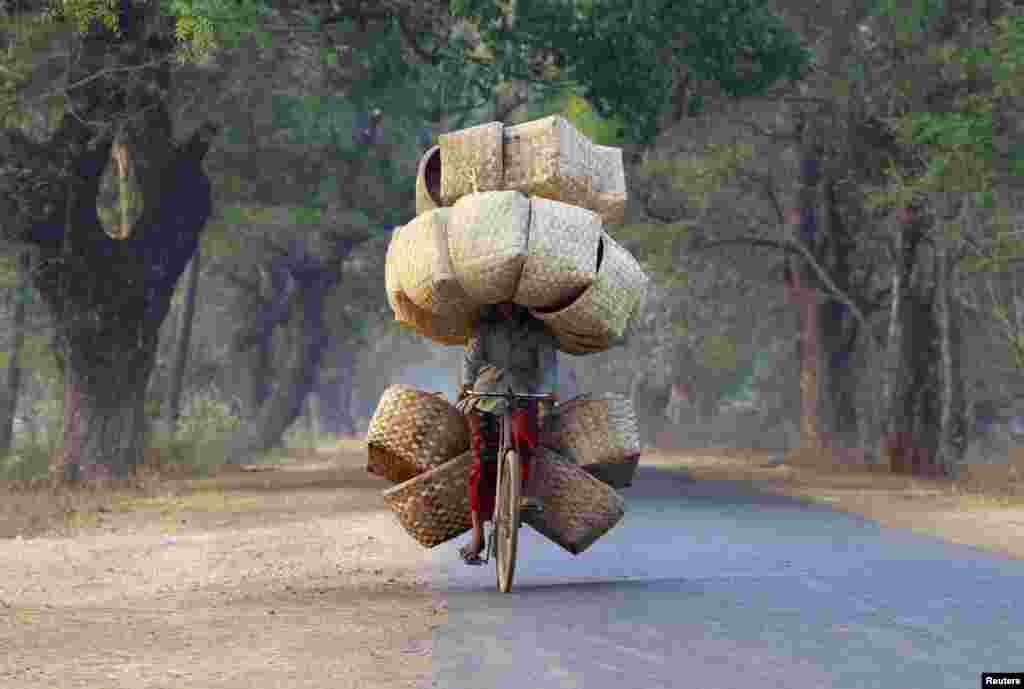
column 512, row 214
column 419, row 441
column 517, row 214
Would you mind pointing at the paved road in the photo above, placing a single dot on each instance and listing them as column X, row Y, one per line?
column 702, row 586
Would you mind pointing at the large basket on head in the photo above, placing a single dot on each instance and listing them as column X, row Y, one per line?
column 561, row 254
column 487, row 239
column 434, row 506
column 601, row 434
column 603, row 310
column 609, row 198
column 548, row 158
column 446, row 330
column 393, row 267
column 428, row 181
column 472, row 161
column 425, row 274
column 412, row 432
column 577, row 508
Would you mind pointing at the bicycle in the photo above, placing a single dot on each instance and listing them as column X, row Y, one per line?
column 503, row 540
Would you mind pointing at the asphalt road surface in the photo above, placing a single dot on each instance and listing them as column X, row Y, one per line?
column 705, row 586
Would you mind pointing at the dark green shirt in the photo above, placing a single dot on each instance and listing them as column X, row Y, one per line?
column 521, row 348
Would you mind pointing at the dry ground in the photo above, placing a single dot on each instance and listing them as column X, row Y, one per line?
column 985, row 509
column 284, row 578
column 297, row 577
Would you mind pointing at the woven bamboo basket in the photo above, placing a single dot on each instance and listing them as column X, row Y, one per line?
column 427, row 276
column 428, row 181
column 392, row 269
column 446, row 330
column 578, row 508
column 581, row 345
column 413, row 431
column 609, row 197
column 472, row 160
column 550, row 158
column 561, row 254
column 434, row 506
column 487, row 239
column 602, row 436
column 603, row 310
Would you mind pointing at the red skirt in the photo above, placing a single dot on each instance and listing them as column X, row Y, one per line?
column 485, row 439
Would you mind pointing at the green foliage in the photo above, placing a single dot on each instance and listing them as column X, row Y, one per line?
column 604, row 131
column 202, row 25
column 624, row 56
column 656, row 250
column 700, row 176
column 719, row 353
column 83, row 14
column 958, row 145
column 198, row 441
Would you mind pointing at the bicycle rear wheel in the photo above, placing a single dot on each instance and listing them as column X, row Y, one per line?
column 506, row 520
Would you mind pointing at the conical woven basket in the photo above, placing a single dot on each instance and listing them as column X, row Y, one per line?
column 427, row 276
column 487, row 239
column 577, row 508
column 609, row 194
column 549, row 158
column 428, row 181
column 561, row 254
column 472, row 161
column 434, row 507
column 603, row 310
column 601, row 434
column 413, row 431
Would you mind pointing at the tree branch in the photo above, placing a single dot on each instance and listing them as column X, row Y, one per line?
column 409, row 39
column 762, row 242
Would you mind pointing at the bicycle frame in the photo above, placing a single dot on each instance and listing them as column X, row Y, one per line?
column 506, row 559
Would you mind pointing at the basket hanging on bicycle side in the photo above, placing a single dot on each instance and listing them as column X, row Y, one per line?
column 434, row 507
column 412, row 432
column 601, row 435
column 577, row 508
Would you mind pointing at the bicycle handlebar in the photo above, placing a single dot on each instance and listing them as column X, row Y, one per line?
column 515, row 395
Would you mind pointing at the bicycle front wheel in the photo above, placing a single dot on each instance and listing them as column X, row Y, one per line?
column 506, row 520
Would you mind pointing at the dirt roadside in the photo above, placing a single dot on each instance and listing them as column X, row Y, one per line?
column 933, row 507
column 285, row 578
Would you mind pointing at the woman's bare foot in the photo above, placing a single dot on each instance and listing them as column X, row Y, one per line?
column 471, row 551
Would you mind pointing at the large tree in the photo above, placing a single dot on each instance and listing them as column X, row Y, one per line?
column 108, row 296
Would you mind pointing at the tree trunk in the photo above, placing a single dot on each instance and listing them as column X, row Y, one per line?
column 808, row 353
column 12, row 384
column 806, row 282
column 107, row 421
column 335, row 395
column 284, row 406
column 913, row 388
column 894, row 384
column 172, row 407
column 952, row 424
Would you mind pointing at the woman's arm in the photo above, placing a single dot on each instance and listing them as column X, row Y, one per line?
column 472, row 361
column 548, row 351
